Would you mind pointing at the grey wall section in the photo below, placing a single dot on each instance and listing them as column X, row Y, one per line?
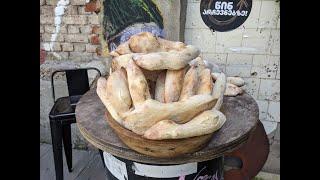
column 173, row 13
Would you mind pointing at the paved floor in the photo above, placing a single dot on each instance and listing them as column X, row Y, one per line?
column 273, row 163
column 88, row 165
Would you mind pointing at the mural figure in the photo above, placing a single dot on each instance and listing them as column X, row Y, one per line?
column 122, row 19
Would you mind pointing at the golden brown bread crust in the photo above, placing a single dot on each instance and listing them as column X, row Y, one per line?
column 118, row 92
column 190, row 84
column 205, row 123
column 120, row 61
column 123, row 48
column 144, row 42
column 104, row 97
column 147, row 67
column 167, row 45
column 238, row 81
column 173, row 85
column 151, row 111
column 114, row 54
column 219, row 88
column 205, row 82
column 172, row 60
column 138, row 85
column 199, row 63
column 232, row 90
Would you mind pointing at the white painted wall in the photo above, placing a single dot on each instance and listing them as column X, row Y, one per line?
column 251, row 51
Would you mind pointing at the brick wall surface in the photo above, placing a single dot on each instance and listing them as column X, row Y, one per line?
column 76, row 37
column 251, row 51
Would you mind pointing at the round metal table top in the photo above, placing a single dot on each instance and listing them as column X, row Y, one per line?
column 242, row 115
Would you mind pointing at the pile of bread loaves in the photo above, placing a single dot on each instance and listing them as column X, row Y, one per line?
column 162, row 89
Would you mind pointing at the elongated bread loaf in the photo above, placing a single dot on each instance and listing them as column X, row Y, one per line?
column 160, row 87
column 173, row 85
column 219, row 88
column 118, row 91
column 205, row 123
column 138, row 85
column 102, row 93
column 232, row 90
column 238, row 81
column 114, row 54
column 199, row 63
column 215, row 75
column 205, row 82
column 190, row 84
column 123, row 49
column 121, row 61
column 144, row 42
column 167, row 45
column 151, row 111
column 172, row 60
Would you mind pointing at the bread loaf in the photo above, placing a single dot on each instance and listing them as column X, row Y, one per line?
column 172, row 60
column 138, row 85
column 218, row 89
column 190, row 84
column 151, row 111
column 205, row 82
column 173, row 85
column 205, row 123
column 102, row 93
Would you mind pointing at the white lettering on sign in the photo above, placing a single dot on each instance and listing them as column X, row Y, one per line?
column 224, row 12
column 206, row 177
column 164, row 171
column 224, row 9
column 115, row 166
column 223, row 5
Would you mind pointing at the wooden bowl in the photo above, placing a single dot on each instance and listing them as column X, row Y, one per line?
column 158, row 148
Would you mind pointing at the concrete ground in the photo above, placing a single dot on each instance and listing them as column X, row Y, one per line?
column 273, row 163
column 88, row 165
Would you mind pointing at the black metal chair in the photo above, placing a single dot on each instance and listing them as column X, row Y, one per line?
column 62, row 115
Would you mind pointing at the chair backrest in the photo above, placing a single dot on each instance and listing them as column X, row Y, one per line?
column 77, row 80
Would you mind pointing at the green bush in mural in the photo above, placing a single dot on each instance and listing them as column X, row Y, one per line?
column 120, row 14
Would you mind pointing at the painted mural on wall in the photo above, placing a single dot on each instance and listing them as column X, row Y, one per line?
column 122, row 19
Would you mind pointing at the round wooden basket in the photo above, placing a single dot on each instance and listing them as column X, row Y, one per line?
column 158, row 148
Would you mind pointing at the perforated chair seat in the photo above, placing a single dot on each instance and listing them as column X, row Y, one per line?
column 64, row 108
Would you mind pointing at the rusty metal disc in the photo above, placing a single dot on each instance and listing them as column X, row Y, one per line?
column 253, row 154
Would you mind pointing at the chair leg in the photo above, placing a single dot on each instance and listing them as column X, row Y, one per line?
column 102, row 158
column 67, row 144
column 56, row 136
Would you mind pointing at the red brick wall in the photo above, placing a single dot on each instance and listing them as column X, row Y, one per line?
column 78, row 37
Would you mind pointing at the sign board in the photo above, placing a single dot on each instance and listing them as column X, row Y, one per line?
column 225, row 15
column 123, row 169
